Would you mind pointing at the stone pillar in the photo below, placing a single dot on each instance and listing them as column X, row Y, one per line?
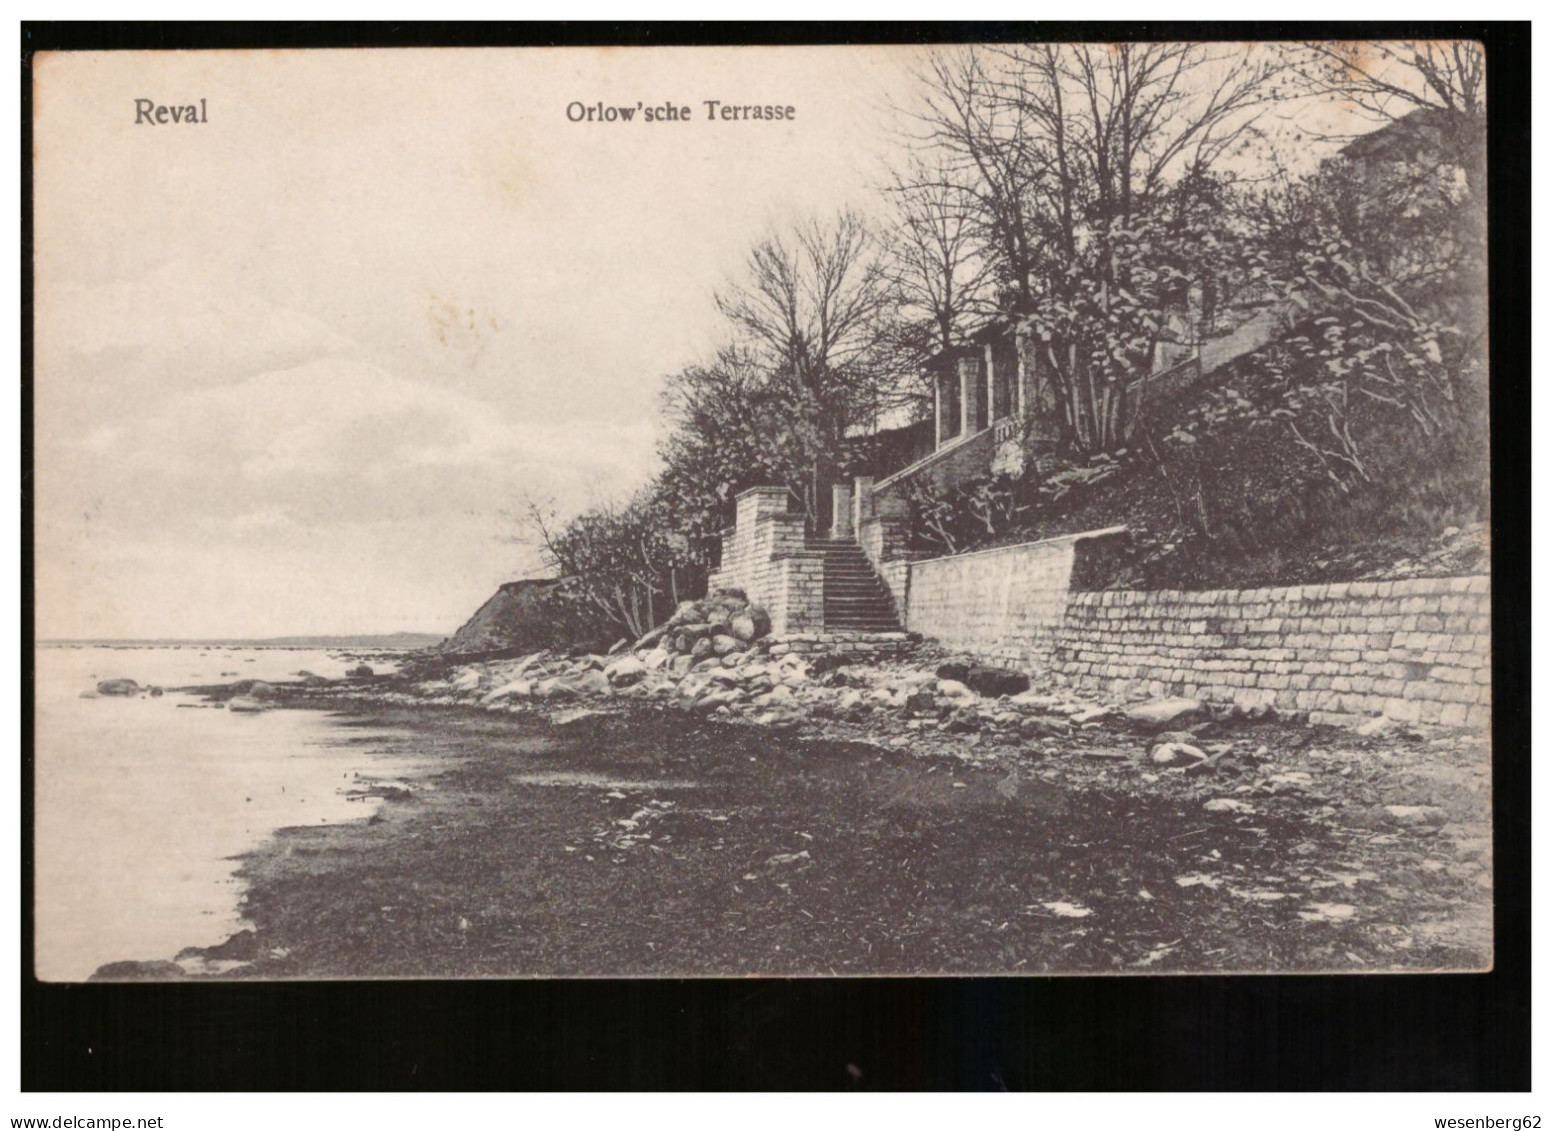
column 840, row 511
column 969, row 375
column 992, row 407
column 937, row 410
column 761, row 502
column 861, row 501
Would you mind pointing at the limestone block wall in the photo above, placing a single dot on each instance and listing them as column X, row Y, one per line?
column 1415, row 650
column 1005, row 603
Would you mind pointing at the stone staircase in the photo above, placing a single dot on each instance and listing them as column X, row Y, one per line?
column 855, row 600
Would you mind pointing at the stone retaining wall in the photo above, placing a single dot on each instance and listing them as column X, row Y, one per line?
column 1416, row 650
column 1005, row 604
column 871, row 645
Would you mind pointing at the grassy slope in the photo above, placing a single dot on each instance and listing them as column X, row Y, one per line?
column 1246, row 508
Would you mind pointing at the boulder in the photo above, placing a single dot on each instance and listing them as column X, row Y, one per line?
column 118, row 687
column 954, row 670
column 680, row 665
column 592, row 683
column 955, row 692
column 1176, row 754
column 1034, row 701
column 244, row 704
column 921, row 704
column 688, row 612
column 1228, row 805
column 1162, row 714
column 962, row 720
column 361, row 671
column 723, row 644
column 466, row 681
column 828, row 662
column 625, row 670
column 556, row 687
column 732, row 659
column 311, row 680
column 695, row 631
column 655, row 659
column 517, row 689
column 751, row 624
column 1417, row 814
column 651, row 639
column 992, row 682
column 700, row 649
column 1031, row 726
column 777, row 696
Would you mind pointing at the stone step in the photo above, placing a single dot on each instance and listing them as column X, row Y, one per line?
column 855, row 599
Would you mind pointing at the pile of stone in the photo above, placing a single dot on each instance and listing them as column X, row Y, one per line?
column 720, row 630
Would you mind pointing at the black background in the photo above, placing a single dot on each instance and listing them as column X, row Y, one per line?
column 1366, row 1032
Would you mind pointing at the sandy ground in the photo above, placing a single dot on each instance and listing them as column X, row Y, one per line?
column 641, row 840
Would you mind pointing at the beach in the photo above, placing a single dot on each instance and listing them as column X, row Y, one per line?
column 614, row 837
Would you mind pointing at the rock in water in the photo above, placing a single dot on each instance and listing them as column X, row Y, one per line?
column 360, row 671
column 243, row 703
column 992, row 682
column 1160, row 714
column 118, row 687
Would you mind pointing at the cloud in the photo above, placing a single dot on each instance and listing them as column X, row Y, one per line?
column 178, row 327
column 312, row 466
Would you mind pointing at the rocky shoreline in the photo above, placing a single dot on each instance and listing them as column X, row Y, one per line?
column 1306, row 803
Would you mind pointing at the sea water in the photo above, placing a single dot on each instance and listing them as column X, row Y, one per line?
column 140, row 803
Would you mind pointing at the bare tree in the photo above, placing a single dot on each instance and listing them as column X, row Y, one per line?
column 1387, row 81
column 816, row 307
column 1078, row 156
column 935, row 259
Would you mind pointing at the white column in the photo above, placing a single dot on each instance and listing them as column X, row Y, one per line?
column 937, row 410
column 969, row 370
column 991, row 385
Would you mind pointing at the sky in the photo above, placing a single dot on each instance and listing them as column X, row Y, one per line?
column 298, row 365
